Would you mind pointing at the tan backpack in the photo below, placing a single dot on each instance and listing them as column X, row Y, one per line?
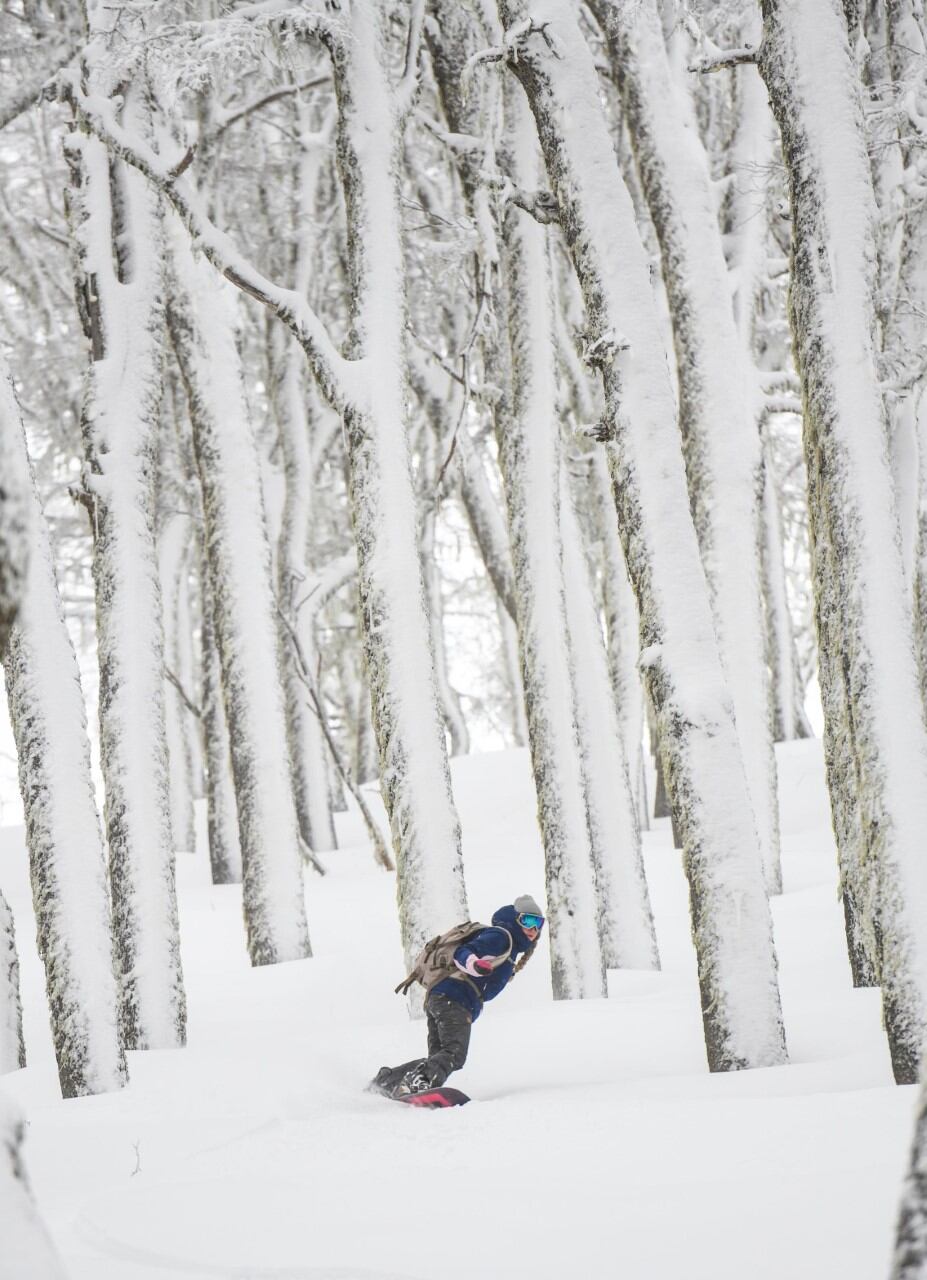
column 435, row 961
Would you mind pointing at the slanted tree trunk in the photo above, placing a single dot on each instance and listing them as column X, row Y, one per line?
column 14, row 569
column 14, row 508
column 396, row 632
column 28, row 1253
column 621, row 631
column 731, row 921
column 221, row 805
column 788, row 713
column 297, row 414
column 368, row 385
column 626, row 931
column 719, row 432
column 454, row 720
column 871, row 694
column 203, row 331
column 747, row 241
column 117, row 236
column 307, row 744
column 529, row 455
column 173, row 546
column 66, row 855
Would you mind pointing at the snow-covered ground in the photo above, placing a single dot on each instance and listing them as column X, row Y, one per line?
column 597, row 1142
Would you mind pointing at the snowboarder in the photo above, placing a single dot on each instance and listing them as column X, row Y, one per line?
column 481, row 967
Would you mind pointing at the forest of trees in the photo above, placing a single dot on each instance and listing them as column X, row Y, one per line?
column 621, row 306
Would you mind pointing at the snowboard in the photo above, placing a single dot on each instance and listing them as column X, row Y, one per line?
column 435, row 1099
column 430, row 1100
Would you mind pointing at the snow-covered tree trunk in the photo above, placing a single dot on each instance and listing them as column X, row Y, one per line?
column 732, row 928
column 454, row 720
column 905, row 323
column 486, row 521
column 118, row 242
column 368, row 385
column 871, row 695
column 203, row 330
column 747, row 240
column 221, row 805
column 788, row 713
column 27, row 1252
column 307, row 744
column 626, row 931
column 529, row 455
column 14, row 507
column 66, row 855
column 15, row 540
column 621, row 629
column 717, row 419
column 396, row 631
column 173, row 548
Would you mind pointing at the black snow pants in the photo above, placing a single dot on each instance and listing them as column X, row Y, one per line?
column 448, row 1036
column 448, row 1042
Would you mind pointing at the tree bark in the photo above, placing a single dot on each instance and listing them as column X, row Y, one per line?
column 872, row 698
column 67, row 860
column 529, row 455
column 203, row 331
column 307, row 745
column 717, row 419
column 221, row 804
column 732, row 928
column 625, row 920
column 120, row 296
column 396, row 632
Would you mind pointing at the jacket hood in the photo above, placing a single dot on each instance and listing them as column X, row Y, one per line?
column 507, row 918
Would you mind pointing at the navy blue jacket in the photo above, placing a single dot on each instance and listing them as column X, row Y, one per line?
column 488, row 942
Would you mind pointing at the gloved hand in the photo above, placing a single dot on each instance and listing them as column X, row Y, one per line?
column 476, row 966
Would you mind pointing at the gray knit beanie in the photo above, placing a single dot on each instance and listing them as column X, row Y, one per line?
column 526, row 906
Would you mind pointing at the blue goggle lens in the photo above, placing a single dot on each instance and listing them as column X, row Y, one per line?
column 531, row 922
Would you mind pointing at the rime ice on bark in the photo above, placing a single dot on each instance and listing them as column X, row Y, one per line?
column 529, row 454
column 221, row 805
column 66, row 855
column 298, row 416
column 28, row 1253
column 449, row 698
column 621, row 629
column 173, row 548
column 121, row 300
column 397, row 642
column 731, row 922
column 14, row 490
column 747, row 241
column 871, row 697
column 625, row 921
column 237, row 548
column 308, row 753
column 717, row 410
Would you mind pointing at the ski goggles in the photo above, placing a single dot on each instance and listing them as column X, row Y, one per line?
column 531, row 922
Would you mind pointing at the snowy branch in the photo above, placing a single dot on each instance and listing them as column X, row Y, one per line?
column 35, row 92
column 724, row 59
column 408, row 85
column 233, row 117
column 338, row 377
